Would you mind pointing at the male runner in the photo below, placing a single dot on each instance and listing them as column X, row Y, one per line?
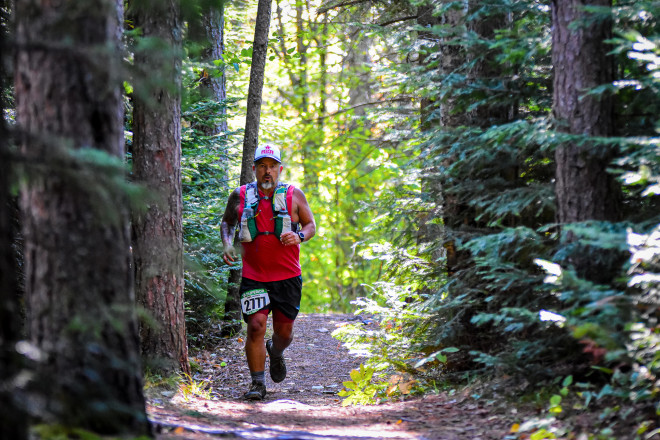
column 274, row 221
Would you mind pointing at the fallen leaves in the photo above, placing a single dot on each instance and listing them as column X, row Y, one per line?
column 403, row 383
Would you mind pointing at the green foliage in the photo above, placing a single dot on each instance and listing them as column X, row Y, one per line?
column 360, row 390
column 574, row 397
column 208, row 162
column 190, row 388
column 515, row 301
column 388, row 333
column 437, row 356
column 501, row 174
column 334, row 143
column 389, row 327
column 158, row 381
column 207, row 182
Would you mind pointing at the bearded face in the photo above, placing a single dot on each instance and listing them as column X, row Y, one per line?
column 267, row 172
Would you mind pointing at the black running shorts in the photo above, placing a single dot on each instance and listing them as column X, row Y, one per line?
column 283, row 295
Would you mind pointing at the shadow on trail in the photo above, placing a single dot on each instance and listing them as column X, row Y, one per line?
column 286, row 419
column 305, row 406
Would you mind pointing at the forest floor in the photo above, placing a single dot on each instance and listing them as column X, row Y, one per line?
column 305, row 406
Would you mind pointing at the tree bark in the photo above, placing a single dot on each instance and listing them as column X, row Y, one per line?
column 80, row 299
column 232, row 314
column 255, row 89
column 13, row 420
column 232, row 317
column 158, row 230
column 433, row 113
column 212, row 86
column 584, row 189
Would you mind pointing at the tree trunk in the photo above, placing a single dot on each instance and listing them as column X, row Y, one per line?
column 255, row 90
column 232, row 314
column 212, row 86
column 158, row 230
column 80, row 301
column 13, row 421
column 312, row 152
column 584, row 189
column 232, row 317
column 434, row 186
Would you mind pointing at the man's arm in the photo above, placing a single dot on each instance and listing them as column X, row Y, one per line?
column 228, row 226
column 305, row 218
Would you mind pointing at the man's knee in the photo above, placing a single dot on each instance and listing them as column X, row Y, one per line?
column 283, row 330
column 256, row 326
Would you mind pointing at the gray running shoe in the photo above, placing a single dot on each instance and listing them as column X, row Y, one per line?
column 277, row 365
column 257, row 391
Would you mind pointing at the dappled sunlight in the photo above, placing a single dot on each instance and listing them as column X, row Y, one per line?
column 287, row 416
column 307, row 403
column 436, row 416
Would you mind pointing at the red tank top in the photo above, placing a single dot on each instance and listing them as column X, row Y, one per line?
column 265, row 258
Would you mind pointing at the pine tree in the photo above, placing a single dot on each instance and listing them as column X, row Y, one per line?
column 79, row 294
column 158, row 229
column 13, row 421
column 585, row 190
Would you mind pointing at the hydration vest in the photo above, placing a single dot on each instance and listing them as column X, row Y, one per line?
column 248, row 229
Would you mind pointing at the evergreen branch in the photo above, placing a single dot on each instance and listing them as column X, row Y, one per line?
column 364, row 104
column 398, row 20
column 324, row 9
column 359, row 162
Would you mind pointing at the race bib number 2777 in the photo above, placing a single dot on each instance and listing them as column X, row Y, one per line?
column 254, row 300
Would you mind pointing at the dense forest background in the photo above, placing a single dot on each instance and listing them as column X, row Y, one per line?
column 484, row 178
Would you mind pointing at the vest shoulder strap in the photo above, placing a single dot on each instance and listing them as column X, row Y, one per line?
column 251, row 195
column 281, row 217
column 278, row 199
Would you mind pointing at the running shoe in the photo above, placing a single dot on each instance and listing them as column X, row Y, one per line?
column 257, row 391
column 277, row 366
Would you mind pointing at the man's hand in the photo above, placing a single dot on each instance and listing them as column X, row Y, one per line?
column 230, row 255
column 289, row 238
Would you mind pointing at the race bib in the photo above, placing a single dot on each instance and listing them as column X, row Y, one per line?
column 254, row 300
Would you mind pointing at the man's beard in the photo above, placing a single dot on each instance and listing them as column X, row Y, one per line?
column 267, row 185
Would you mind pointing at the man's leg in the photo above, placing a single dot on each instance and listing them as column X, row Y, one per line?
column 282, row 332
column 285, row 302
column 282, row 337
column 255, row 352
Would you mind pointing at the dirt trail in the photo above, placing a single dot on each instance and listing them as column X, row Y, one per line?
column 305, row 405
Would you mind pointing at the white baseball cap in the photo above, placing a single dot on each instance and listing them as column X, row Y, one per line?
column 267, row 150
